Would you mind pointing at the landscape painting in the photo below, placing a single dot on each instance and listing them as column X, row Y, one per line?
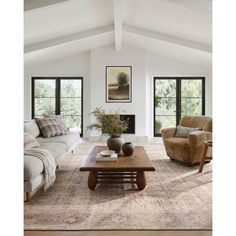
column 118, row 84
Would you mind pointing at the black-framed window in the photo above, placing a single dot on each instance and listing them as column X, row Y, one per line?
column 59, row 96
column 175, row 97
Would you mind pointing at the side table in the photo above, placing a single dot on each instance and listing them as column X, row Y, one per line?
column 207, row 156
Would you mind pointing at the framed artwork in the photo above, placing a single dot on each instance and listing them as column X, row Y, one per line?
column 118, row 84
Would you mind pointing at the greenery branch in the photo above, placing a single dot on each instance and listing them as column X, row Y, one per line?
column 110, row 124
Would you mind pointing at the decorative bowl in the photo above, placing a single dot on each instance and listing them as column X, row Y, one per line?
column 107, row 153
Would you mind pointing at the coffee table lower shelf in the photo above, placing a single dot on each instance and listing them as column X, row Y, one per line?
column 119, row 177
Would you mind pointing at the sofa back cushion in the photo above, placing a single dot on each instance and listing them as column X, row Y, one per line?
column 202, row 122
column 32, row 128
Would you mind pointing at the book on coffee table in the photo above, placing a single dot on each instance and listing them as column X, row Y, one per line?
column 113, row 157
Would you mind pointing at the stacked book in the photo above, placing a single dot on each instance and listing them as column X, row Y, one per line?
column 105, row 156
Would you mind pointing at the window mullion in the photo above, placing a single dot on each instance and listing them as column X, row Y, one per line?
column 58, row 97
column 178, row 100
column 33, row 97
column 203, row 96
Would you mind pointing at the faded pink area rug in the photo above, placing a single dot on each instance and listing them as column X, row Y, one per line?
column 175, row 197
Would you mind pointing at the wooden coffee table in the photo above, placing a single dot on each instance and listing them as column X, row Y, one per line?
column 129, row 169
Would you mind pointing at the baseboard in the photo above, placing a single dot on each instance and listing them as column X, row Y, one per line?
column 127, row 137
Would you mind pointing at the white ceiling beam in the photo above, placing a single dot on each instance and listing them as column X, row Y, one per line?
column 69, row 39
column 204, row 5
column 118, row 14
column 30, row 5
column 167, row 38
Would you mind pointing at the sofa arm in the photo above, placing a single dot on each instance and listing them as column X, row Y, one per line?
column 198, row 137
column 168, row 132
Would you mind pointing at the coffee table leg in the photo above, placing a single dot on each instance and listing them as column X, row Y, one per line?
column 141, row 180
column 92, row 180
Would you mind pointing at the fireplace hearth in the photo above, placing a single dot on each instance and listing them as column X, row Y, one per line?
column 131, row 126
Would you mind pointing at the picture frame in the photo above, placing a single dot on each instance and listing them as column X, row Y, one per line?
column 118, row 84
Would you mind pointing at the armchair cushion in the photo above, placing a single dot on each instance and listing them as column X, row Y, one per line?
column 177, row 148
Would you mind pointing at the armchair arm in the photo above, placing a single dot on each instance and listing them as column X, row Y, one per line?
column 168, row 132
column 198, row 137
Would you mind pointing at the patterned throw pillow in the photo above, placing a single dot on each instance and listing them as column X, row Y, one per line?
column 49, row 127
column 30, row 141
column 59, row 118
column 183, row 132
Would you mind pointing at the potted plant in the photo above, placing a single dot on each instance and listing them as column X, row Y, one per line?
column 112, row 125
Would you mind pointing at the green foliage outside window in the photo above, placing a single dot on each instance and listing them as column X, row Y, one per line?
column 70, row 101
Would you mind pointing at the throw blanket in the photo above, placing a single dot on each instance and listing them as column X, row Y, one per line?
column 48, row 163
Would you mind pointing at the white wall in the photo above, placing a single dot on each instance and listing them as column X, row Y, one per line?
column 129, row 56
column 91, row 66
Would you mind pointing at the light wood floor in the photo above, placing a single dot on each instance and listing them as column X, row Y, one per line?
column 118, row 233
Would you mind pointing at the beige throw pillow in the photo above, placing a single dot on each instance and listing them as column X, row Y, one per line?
column 30, row 141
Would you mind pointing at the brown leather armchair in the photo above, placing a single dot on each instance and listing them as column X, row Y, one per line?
column 191, row 149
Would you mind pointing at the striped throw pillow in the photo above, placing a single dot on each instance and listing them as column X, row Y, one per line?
column 30, row 141
column 183, row 132
column 59, row 118
column 50, row 127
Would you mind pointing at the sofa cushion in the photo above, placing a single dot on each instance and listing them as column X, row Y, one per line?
column 32, row 128
column 50, row 127
column 56, row 149
column 33, row 166
column 30, row 141
column 183, row 132
column 68, row 139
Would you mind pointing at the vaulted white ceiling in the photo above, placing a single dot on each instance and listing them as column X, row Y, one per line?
column 175, row 28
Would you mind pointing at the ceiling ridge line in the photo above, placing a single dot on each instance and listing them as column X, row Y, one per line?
column 118, row 15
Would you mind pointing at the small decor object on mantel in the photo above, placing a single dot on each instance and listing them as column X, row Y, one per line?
column 118, row 84
column 128, row 149
column 112, row 125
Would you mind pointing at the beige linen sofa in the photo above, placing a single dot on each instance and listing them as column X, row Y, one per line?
column 190, row 149
column 59, row 147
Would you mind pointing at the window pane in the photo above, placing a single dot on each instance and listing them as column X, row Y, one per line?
column 166, row 106
column 44, row 105
column 70, row 88
column 191, row 88
column 165, row 88
column 73, row 121
column 44, row 88
column 164, row 121
column 191, row 106
column 71, row 106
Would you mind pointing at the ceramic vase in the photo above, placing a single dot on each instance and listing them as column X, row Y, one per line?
column 115, row 144
column 128, row 149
